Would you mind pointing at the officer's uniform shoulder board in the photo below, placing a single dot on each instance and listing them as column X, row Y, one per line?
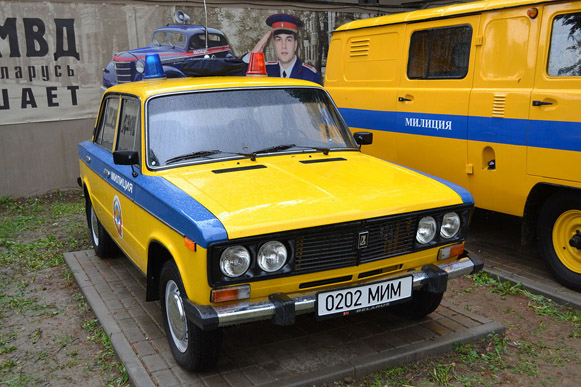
column 310, row 67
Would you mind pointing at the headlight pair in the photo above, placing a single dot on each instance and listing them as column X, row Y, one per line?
column 236, row 260
column 428, row 227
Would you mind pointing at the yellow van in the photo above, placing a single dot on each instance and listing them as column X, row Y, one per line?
column 484, row 94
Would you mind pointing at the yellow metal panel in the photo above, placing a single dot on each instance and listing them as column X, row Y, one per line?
column 312, row 194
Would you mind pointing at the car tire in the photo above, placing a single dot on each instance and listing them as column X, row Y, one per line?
column 558, row 227
column 192, row 348
column 422, row 304
column 102, row 242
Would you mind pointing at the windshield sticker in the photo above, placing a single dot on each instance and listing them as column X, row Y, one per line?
column 428, row 123
column 118, row 216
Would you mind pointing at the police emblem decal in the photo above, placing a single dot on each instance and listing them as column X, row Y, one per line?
column 118, row 216
column 363, row 239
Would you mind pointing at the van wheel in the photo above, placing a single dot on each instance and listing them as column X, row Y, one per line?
column 192, row 348
column 422, row 304
column 102, row 242
column 559, row 236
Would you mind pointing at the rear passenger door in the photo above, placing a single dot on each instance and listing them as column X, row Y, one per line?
column 506, row 47
column 554, row 138
column 432, row 102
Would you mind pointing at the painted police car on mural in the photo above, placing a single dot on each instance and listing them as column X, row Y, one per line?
column 174, row 44
column 247, row 198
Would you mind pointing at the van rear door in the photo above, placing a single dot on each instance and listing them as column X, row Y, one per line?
column 432, row 106
column 554, row 138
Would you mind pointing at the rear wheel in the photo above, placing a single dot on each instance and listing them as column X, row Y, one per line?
column 559, row 236
column 422, row 304
column 192, row 348
column 102, row 242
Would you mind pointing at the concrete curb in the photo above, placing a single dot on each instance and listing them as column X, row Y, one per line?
column 137, row 373
column 534, row 287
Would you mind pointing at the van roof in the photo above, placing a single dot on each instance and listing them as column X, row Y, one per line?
column 440, row 12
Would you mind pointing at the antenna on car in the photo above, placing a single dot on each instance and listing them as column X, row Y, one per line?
column 206, row 28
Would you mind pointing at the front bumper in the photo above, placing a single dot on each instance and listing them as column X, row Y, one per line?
column 283, row 308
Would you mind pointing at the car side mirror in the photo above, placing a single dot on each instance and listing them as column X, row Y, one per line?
column 126, row 157
column 363, row 138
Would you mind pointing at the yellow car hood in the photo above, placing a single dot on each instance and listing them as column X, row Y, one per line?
column 288, row 192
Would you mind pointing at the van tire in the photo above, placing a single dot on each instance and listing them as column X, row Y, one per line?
column 102, row 242
column 422, row 304
column 559, row 223
column 192, row 348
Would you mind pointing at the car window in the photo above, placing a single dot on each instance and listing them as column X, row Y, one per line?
column 168, row 38
column 565, row 49
column 129, row 136
column 440, row 53
column 214, row 40
column 106, row 131
column 242, row 121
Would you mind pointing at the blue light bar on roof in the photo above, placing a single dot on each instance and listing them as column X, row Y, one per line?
column 153, row 68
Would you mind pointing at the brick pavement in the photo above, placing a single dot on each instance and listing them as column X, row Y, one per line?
column 262, row 354
column 496, row 239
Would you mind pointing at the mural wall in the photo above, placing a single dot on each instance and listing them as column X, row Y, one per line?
column 52, row 56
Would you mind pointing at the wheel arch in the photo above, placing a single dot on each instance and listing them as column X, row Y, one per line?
column 535, row 201
column 157, row 256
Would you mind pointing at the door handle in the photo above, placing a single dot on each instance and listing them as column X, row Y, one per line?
column 88, row 158
column 106, row 172
column 402, row 99
column 541, row 103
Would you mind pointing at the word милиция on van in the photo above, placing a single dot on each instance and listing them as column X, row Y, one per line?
column 484, row 94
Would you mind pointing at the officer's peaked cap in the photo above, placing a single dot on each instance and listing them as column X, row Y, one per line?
column 282, row 22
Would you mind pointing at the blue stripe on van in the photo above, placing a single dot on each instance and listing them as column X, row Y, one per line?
column 160, row 198
column 558, row 135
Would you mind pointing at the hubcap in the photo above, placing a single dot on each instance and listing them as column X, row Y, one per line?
column 565, row 230
column 94, row 227
column 176, row 316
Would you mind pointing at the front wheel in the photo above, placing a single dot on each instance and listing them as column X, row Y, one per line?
column 422, row 304
column 192, row 348
column 559, row 236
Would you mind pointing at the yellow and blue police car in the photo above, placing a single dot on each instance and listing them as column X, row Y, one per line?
column 247, row 198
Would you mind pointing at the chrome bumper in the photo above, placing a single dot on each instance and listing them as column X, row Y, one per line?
column 282, row 308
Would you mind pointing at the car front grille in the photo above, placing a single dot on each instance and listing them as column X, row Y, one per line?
column 123, row 71
column 333, row 247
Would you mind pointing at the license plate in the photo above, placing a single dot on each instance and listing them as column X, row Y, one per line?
column 364, row 296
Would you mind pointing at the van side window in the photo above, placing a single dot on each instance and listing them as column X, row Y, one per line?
column 128, row 136
column 565, row 50
column 106, row 131
column 440, row 53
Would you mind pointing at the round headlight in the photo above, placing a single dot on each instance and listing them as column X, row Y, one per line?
column 139, row 66
column 450, row 225
column 271, row 256
column 426, row 230
column 234, row 261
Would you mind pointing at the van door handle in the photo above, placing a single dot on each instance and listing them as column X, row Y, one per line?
column 106, row 172
column 541, row 103
column 402, row 99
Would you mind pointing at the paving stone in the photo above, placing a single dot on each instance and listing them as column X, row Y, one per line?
column 309, row 352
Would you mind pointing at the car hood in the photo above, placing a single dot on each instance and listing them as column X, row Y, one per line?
column 288, row 192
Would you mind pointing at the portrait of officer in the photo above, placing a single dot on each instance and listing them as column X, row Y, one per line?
column 284, row 35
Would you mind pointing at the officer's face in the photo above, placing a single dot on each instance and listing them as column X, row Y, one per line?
column 285, row 46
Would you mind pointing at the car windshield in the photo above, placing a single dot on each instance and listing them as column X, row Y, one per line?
column 203, row 126
column 168, row 38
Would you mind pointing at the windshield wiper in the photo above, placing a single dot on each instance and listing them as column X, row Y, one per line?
column 275, row 148
column 317, row 148
column 193, row 155
column 199, row 154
